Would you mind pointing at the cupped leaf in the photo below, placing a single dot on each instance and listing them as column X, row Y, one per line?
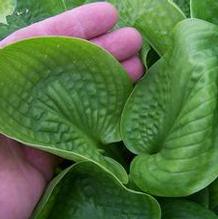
column 31, row 11
column 170, row 119
column 6, row 8
column 64, row 96
column 182, row 209
column 205, row 10
column 153, row 18
column 86, row 191
column 184, row 5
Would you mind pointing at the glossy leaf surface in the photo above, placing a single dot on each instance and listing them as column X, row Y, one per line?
column 86, row 191
column 64, row 96
column 170, row 119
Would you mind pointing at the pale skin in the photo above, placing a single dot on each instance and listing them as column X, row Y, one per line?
column 25, row 172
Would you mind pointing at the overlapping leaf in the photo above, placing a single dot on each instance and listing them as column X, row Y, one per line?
column 64, row 96
column 202, row 197
column 170, row 120
column 153, row 18
column 86, row 191
column 184, row 5
column 182, row 209
column 213, row 196
column 205, row 10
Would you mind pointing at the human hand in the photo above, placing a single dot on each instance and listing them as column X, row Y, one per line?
column 24, row 172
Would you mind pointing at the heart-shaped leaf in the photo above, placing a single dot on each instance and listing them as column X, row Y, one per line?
column 6, row 8
column 86, row 191
column 182, row 209
column 64, row 96
column 170, row 120
column 205, row 10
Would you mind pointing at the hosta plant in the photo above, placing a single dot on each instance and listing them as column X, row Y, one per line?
column 73, row 99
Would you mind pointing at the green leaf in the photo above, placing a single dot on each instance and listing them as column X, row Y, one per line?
column 86, row 191
column 184, row 5
column 213, row 196
column 64, row 96
column 201, row 197
column 6, row 8
column 120, row 153
column 182, row 209
column 153, row 18
column 170, row 119
column 31, row 11
column 205, row 10
column 144, row 54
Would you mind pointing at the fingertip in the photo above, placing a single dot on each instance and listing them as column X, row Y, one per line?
column 134, row 68
column 122, row 43
column 135, row 35
column 111, row 10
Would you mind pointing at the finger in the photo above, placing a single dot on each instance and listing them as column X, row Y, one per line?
column 122, row 44
column 44, row 162
column 134, row 67
column 86, row 22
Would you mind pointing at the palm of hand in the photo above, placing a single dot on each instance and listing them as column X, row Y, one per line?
column 24, row 173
